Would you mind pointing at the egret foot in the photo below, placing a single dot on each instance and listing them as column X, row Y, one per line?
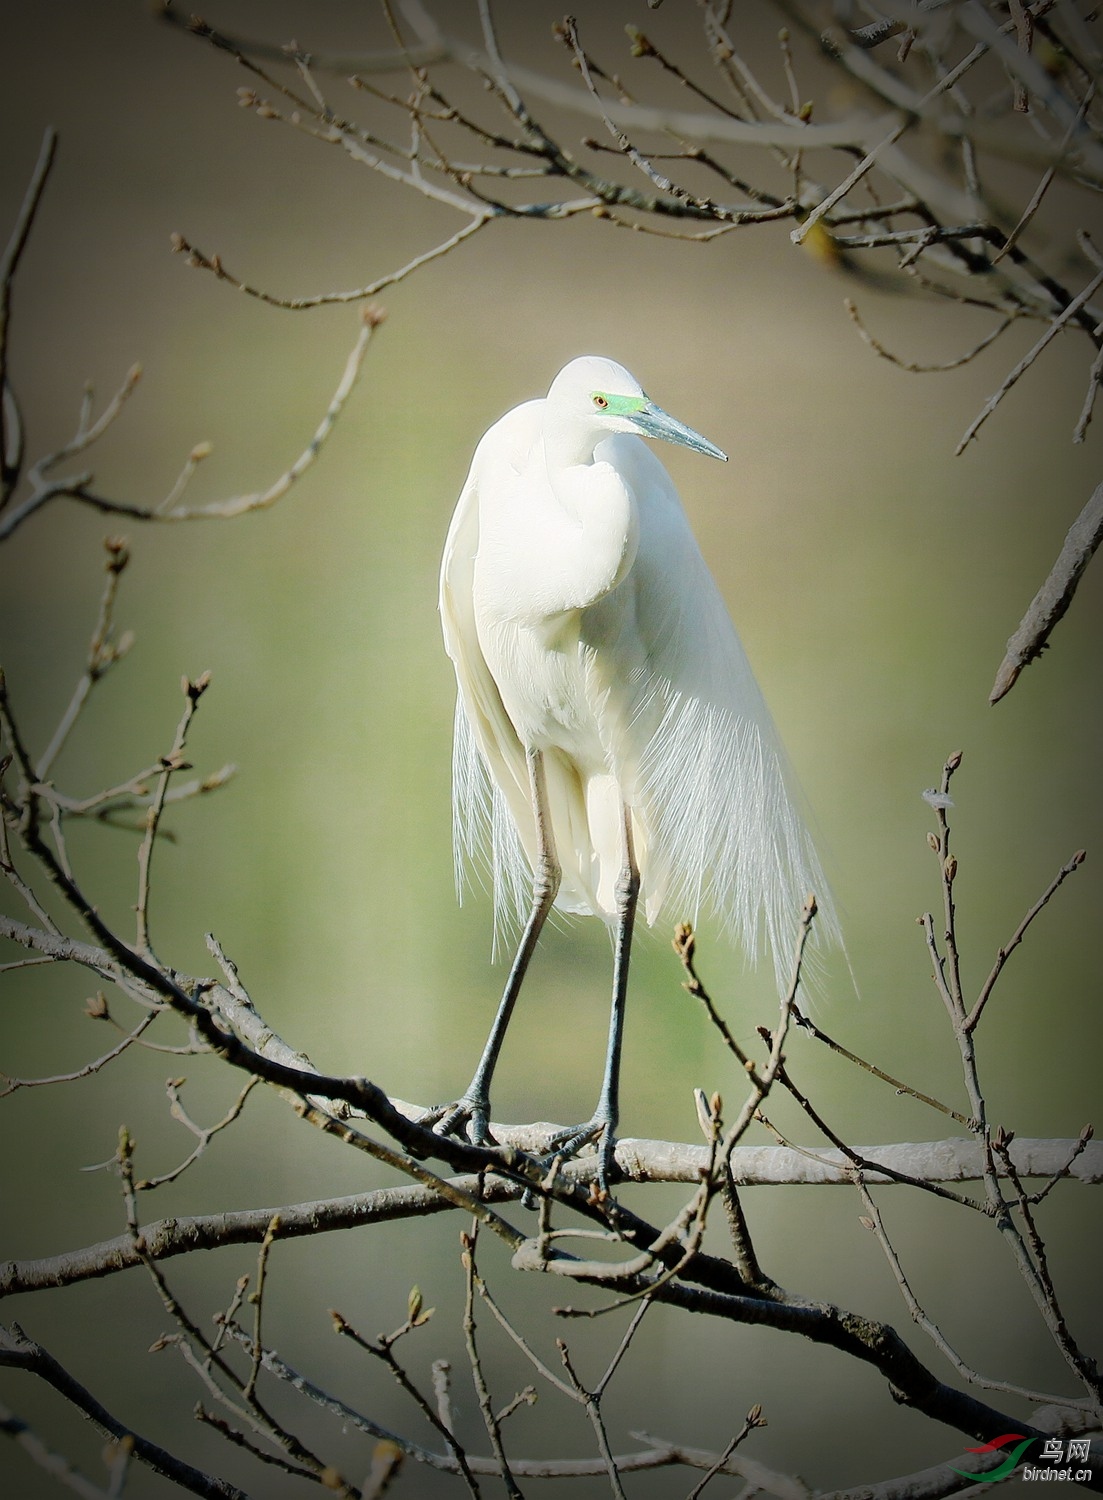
column 602, row 1132
column 467, row 1119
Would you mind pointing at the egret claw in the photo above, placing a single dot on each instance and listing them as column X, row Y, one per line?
column 467, row 1118
column 569, row 1142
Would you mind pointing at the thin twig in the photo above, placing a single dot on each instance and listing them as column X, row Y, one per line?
column 10, row 1085
column 807, row 1024
column 11, row 442
column 490, row 1421
column 1017, row 936
column 239, row 1440
column 102, row 653
column 639, row 161
column 591, row 1401
column 656, row 1455
column 1047, row 176
column 1095, row 379
column 19, row 1352
column 364, row 293
column 930, row 1328
column 622, row 1348
column 753, row 1419
column 204, row 1133
column 8, row 869
column 256, row 1297
column 253, row 1415
column 173, row 761
column 78, row 487
column 685, row 946
column 1026, row 1251
column 88, row 432
column 1014, row 375
column 382, row 1349
column 50, row 1462
column 941, row 366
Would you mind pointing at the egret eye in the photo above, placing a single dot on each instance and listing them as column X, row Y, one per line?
column 600, row 401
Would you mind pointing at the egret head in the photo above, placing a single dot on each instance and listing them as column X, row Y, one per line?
column 604, row 396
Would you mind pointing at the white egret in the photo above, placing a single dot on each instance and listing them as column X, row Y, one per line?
column 611, row 743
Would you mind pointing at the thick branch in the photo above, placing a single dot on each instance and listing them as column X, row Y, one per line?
column 638, row 1160
column 18, row 1352
column 1053, row 598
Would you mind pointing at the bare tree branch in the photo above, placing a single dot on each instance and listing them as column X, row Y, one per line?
column 18, row 1352
column 1054, row 597
column 11, row 427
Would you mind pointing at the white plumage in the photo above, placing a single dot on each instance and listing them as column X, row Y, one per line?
column 582, row 621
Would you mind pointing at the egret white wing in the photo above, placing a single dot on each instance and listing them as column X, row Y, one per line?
column 699, row 758
column 490, row 793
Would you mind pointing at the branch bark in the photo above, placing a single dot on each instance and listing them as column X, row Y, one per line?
column 1053, row 598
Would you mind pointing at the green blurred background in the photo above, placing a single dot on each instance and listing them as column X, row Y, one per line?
column 874, row 579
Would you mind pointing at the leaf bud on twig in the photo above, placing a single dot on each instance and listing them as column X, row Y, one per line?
column 684, row 942
column 640, row 44
column 195, row 690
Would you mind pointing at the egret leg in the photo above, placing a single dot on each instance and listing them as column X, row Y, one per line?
column 475, row 1104
column 608, row 1109
column 604, row 1122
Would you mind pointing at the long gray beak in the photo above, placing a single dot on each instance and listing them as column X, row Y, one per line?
column 653, row 422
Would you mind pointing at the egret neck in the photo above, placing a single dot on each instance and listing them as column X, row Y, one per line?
column 593, row 514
